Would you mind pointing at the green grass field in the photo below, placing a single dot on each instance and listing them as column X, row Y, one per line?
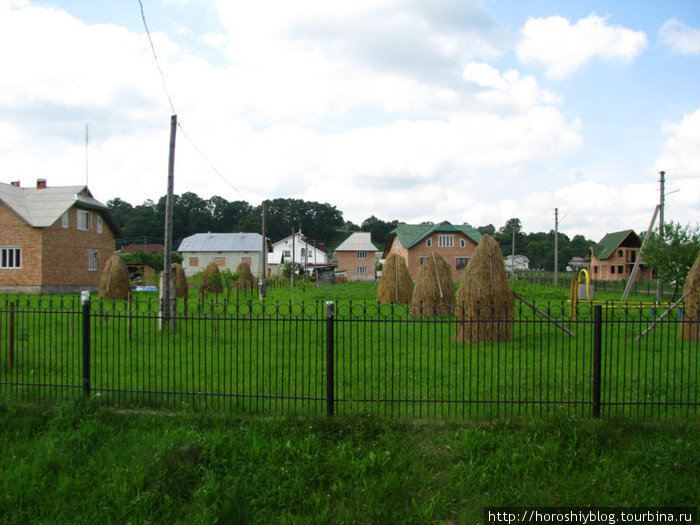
column 80, row 464
column 238, row 354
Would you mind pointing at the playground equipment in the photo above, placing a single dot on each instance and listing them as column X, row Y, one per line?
column 581, row 290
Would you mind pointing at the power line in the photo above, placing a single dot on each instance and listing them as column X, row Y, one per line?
column 155, row 56
column 172, row 107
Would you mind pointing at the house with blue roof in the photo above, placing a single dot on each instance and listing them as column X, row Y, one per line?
column 417, row 242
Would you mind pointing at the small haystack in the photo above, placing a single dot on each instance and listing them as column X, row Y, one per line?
column 434, row 293
column 485, row 301
column 691, row 311
column 395, row 284
column 181, row 287
column 211, row 280
column 246, row 279
column 114, row 283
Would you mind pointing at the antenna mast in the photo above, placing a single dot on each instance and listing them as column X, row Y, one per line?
column 86, row 154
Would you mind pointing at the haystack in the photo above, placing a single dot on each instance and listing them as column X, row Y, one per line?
column 211, row 280
column 246, row 279
column 691, row 311
column 114, row 283
column 485, row 301
column 181, row 287
column 434, row 293
column 395, row 284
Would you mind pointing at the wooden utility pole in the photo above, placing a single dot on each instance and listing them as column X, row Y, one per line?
column 263, row 258
column 167, row 307
column 556, row 246
column 662, row 183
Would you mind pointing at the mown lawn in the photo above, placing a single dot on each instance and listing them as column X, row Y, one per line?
column 77, row 463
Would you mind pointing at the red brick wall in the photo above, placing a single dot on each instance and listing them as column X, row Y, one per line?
column 349, row 262
column 16, row 232
column 65, row 260
column 420, row 249
column 618, row 266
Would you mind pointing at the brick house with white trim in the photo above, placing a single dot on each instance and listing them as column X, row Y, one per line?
column 356, row 257
column 53, row 239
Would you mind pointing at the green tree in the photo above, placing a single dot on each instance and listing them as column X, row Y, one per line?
column 379, row 229
column 672, row 254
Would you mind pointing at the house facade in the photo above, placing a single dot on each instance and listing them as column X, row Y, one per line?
column 295, row 248
column 226, row 250
column 615, row 255
column 356, row 257
column 417, row 242
column 516, row 263
column 53, row 239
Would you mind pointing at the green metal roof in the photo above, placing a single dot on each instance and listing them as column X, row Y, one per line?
column 610, row 242
column 411, row 234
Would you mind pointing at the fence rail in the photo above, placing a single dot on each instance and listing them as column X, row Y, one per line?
column 345, row 357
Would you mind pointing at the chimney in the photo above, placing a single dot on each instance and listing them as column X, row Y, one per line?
column 40, row 184
column 15, row 183
column 322, row 246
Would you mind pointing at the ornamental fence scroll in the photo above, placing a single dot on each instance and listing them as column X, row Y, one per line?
column 306, row 358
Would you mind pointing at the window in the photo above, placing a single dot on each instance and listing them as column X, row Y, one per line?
column 10, row 257
column 421, row 260
column 620, row 269
column 446, row 241
column 194, row 261
column 429, row 242
column 463, row 243
column 220, row 261
column 619, row 253
column 84, row 220
column 362, row 270
column 99, row 224
column 64, row 220
column 93, row 257
column 361, row 255
column 612, row 269
column 462, row 262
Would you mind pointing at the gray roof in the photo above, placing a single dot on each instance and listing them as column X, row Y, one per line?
column 221, row 242
column 41, row 208
column 358, row 241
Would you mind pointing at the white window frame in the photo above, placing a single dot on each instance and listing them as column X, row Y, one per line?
column 361, row 270
column 362, row 255
column 462, row 243
column 446, row 240
column 429, row 242
column 93, row 260
column 99, row 224
column 65, row 220
column 9, row 255
column 84, row 220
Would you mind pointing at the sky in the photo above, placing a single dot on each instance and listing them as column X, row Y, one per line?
column 473, row 111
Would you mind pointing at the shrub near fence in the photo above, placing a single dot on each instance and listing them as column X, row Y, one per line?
column 273, row 358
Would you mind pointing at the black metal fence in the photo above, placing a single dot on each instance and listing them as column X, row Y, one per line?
column 316, row 358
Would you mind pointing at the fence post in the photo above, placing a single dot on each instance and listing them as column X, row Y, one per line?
column 330, row 366
column 12, row 334
column 597, row 357
column 85, row 301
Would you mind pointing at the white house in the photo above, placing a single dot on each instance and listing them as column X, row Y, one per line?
column 516, row 262
column 226, row 250
column 305, row 254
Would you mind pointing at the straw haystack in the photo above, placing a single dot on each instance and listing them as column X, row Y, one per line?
column 211, row 280
column 395, row 284
column 485, row 301
column 246, row 279
column 434, row 293
column 691, row 311
column 181, row 287
column 114, row 283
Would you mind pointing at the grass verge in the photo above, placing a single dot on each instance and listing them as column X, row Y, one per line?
column 78, row 463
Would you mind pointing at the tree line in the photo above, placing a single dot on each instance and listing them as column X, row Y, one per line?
column 320, row 222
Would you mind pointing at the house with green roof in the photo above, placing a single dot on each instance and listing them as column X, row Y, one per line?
column 615, row 255
column 416, row 242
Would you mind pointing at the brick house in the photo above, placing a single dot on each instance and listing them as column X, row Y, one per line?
column 356, row 257
column 417, row 242
column 53, row 239
column 614, row 256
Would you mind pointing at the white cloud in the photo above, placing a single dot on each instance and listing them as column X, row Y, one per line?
column 564, row 48
column 680, row 38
